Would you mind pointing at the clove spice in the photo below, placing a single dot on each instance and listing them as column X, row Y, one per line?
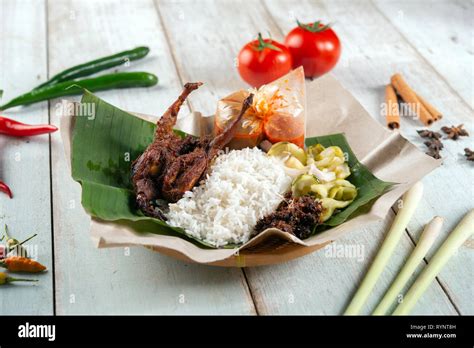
column 425, row 133
column 434, row 147
column 433, row 143
column 469, row 154
column 455, row 132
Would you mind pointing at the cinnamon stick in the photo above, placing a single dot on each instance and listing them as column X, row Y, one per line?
column 392, row 114
column 431, row 109
column 410, row 97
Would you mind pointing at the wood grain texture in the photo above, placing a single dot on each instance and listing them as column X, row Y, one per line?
column 24, row 163
column 372, row 51
column 135, row 280
column 439, row 38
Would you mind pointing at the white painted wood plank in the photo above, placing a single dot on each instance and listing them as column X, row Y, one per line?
column 206, row 50
column 24, row 163
column 135, row 281
column 442, row 32
column 372, row 52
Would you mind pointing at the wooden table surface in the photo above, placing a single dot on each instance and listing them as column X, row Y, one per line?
column 430, row 42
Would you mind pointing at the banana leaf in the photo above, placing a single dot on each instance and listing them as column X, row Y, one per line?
column 105, row 144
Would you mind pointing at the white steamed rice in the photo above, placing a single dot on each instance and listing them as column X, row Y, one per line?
column 244, row 186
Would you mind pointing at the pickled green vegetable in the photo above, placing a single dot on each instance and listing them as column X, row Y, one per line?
column 315, row 150
column 284, row 148
column 330, row 205
column 334, row 195
column 293, row 162
column 343, row 193
column 301, row 186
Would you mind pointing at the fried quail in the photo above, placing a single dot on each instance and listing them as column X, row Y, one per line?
column 172, row 165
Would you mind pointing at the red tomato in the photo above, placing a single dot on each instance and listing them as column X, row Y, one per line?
column 314, row 46
column 262, row 61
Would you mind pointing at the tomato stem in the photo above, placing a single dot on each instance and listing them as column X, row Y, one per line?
column 315, row 27
column 262, row 44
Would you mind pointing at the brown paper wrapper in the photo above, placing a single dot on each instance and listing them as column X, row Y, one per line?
column 330, row 109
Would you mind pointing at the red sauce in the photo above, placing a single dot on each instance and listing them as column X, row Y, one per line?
column 242, row 138
column 284, row 127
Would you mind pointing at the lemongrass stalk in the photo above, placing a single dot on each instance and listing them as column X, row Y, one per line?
column 456, row 238
column 425, row 242
column 410, row 201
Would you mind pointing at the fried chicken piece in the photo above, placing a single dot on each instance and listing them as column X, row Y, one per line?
column 171, row 165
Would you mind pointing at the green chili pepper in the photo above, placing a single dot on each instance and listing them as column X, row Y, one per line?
column 97, row 65
column 101, row 83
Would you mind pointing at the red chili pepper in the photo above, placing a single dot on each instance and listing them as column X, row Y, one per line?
column 4, row 188
column 22, row 264
column 18, row 129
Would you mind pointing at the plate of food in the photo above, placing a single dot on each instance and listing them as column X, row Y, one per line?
column 274, row 174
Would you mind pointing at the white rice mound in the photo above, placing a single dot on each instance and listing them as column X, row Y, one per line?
column 243, row 186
